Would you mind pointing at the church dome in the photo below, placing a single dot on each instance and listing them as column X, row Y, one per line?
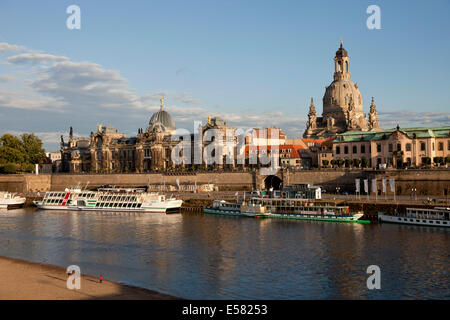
column 339, row 94
column 163, row 120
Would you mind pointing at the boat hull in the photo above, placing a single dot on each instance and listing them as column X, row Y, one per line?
column 383, row 217
column 236, row 213
column 287, row 216
column 12, row 203
column 170, row 207
column 324, row 218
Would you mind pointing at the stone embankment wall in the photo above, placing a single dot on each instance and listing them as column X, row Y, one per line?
column 427, row 182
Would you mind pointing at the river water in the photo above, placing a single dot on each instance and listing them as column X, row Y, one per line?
column 199, row 256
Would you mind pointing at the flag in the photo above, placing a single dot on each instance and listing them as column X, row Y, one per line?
column 357, row 185
column 384, row 186
column 392, row 184
column 374, row 185
column 178, row 183
column 366, row 186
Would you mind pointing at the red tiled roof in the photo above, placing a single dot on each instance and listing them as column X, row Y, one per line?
column 282, row 149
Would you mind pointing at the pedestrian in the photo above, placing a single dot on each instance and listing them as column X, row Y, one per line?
column 100, row 278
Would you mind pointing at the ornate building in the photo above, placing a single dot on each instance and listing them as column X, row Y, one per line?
column 342, row 105
column 108, row 150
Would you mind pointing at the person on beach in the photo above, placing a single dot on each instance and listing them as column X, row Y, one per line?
column 101, row 278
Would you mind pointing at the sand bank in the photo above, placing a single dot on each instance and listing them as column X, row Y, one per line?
column 22, row 280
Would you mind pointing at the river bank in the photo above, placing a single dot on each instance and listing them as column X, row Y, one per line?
column 22, row 280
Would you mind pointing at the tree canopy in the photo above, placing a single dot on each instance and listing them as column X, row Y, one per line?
column 19, row 154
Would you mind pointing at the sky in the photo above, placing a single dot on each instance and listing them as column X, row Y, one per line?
column 253, row 63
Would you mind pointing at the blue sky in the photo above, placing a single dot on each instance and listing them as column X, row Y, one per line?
column 254, row 63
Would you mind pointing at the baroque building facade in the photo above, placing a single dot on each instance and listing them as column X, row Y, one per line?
column 108, row 150
column 342, row 105
column 395, row 148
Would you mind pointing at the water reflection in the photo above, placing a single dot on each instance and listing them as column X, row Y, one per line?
column 213, row 257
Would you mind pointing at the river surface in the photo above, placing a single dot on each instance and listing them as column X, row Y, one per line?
column 197, row 256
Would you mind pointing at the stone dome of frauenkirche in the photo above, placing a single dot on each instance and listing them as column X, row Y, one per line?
column 339, row 94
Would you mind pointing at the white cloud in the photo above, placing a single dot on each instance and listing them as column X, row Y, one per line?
column 35, row 58
column 186, row 97
column 407, row 118
column 6, row 47
column 29, row 101
column 7, row 78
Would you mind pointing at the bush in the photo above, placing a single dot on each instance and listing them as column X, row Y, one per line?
column 10, row 168
column 365, row 163
column 348, row 162
column 357, row 162
column 26, row 167
column 447, row 160
column 325, row 162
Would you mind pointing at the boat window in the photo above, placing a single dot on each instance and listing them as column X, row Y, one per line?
column 444, row 222
column 139, row 205
column 438, row 222
column 431, row 221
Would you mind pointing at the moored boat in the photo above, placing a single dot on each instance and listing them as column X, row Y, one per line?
column 436, row 217
column 307, row 209
column 285, row 208
column 237, row 209
column 109, row 199
column 10, row 200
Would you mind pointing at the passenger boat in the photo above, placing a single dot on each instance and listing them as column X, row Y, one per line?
column 109, row 199
column 285, row 208
column 10, row 200
column 306, row 209
column 436, row 217
column 237, row 209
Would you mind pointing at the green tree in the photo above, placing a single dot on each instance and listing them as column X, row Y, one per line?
column 32, row 146
column 11, row 155
column 20, row 155
column 365, row 163
column 325, row 162
column 348, row 162
column 10, row 168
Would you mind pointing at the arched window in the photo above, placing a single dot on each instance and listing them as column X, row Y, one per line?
column 346, row 66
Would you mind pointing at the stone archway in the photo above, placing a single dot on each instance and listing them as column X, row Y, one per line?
column 274, row 182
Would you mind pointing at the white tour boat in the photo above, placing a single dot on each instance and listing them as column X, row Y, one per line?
column 109, row 199
column 437, row 217
column 10, row 200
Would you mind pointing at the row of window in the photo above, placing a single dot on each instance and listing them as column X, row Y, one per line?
column 354, row 149
column 423, row 147
column 429, row 221
column 117, row 205
column 117, row 198
column 53, row 201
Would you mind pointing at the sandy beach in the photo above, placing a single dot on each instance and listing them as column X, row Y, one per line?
column 22, row 280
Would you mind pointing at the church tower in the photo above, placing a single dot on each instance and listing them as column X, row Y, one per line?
column 342, row 104
column 373, row 117
column 341, row 65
